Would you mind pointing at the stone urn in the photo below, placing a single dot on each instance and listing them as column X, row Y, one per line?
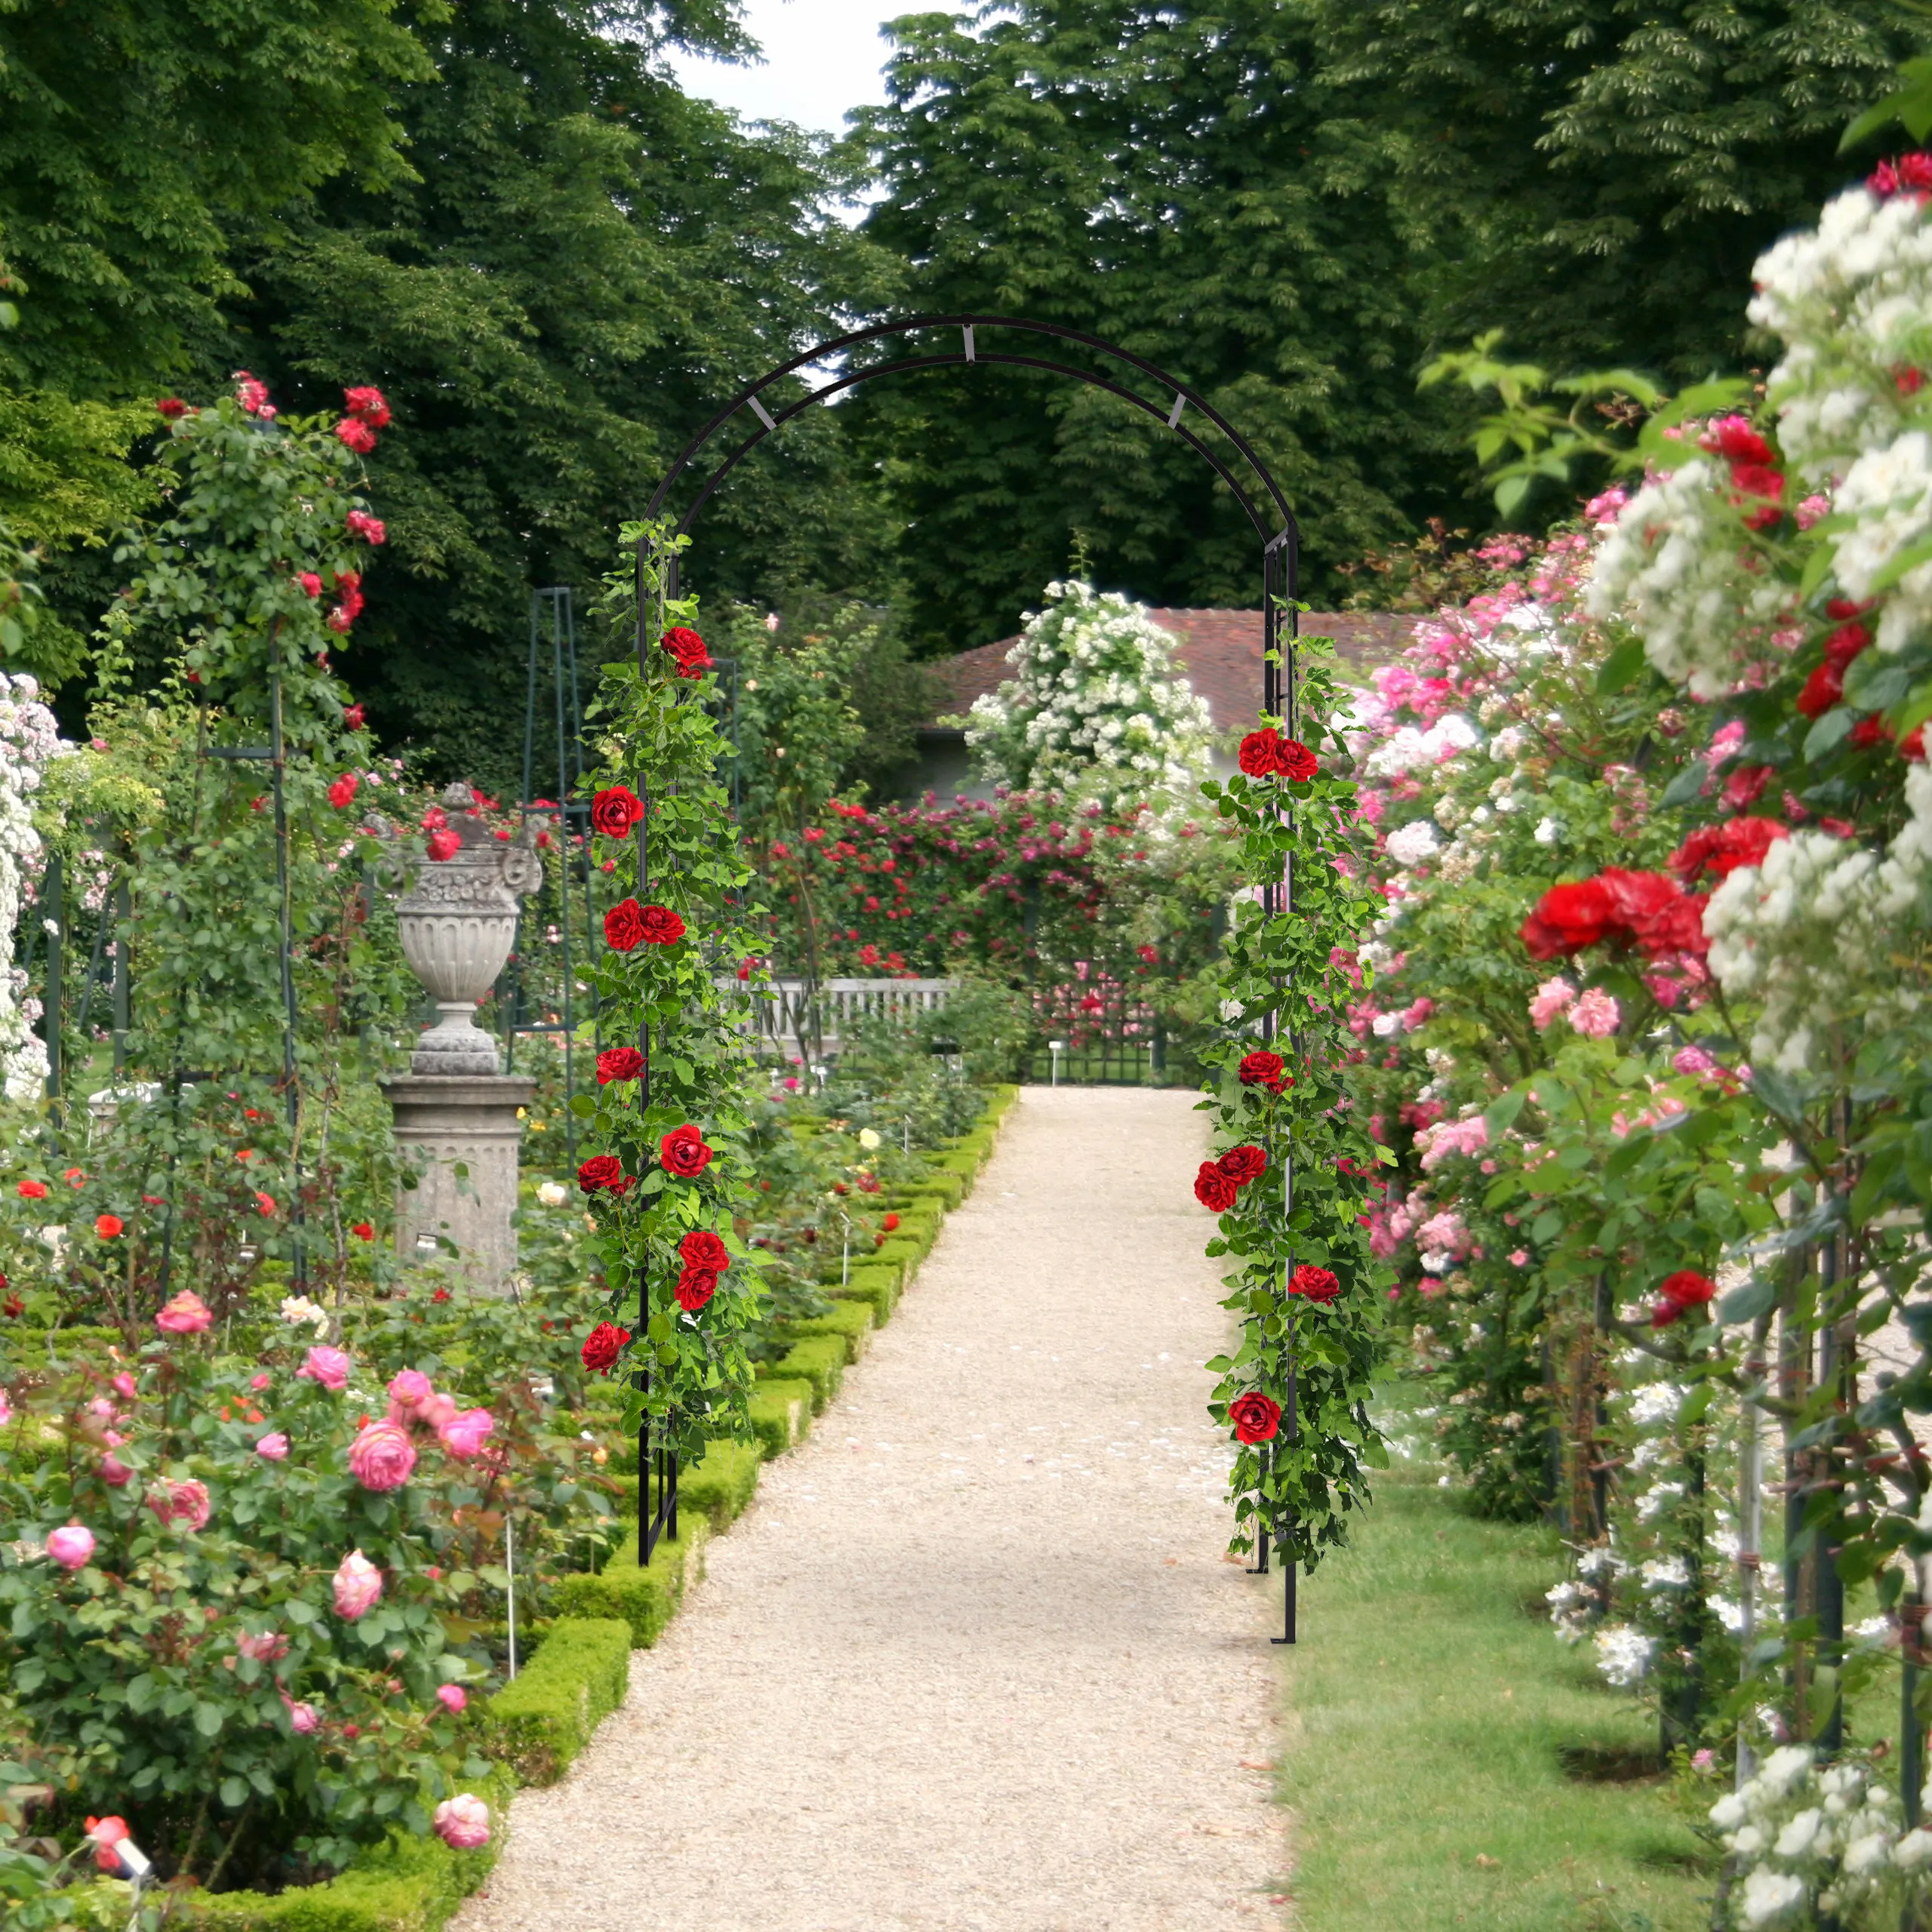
column 457, row 927
column 458, row 1118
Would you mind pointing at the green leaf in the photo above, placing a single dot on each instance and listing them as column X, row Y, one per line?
column 207, row 1720
column 1546, row 1227
column 1829, row 732
column 1756, row 1296
column 1621, row 668
column 234, row 1793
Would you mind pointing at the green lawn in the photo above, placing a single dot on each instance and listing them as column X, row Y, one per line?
column 1428, row 1711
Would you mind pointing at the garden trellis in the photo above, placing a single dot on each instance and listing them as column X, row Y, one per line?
column 1286, row 1468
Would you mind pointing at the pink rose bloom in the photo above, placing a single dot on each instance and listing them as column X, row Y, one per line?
column 382, row 1456
column 1596, row 1014
column 463, row 1436
column 1692, row 1060
column 6, row 1410
column 114, row 1472
column 186, row 1314
column 1813, row 509
column 269, row 1647
column 259, row 1381
column 123, row 1386
column 1418, row 1012
column 463, row 1822
column 437, row 1410
column 358, row 1586
column 181, row 1502
column 274, row 1446
column 410, row 1388
column 1552, row 996
column 304, row 1718
column 453, row 1698
column 71, row 1547
column 330, row 1366
column 1520, row 1258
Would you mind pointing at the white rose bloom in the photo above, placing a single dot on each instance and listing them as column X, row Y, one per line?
column 1410, row 845
column 552, row 1194
column 1771, row 1895
column 1798, row 1835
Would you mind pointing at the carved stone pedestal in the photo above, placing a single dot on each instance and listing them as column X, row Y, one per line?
column 442, row 1120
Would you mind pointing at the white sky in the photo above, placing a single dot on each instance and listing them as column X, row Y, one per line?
column 821, row 59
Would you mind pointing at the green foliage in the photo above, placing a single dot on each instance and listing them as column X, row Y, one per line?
column 133, row 144
column 1600, row 179
column 544, row 1717
column 583, row 265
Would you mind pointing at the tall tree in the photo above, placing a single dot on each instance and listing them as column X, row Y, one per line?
column 586, row 262
column 1176, row 177
column 1600, row 174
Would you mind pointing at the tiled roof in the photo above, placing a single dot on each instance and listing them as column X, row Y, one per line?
column 1218, row 651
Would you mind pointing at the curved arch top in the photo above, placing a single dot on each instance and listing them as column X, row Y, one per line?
column 1280, row 542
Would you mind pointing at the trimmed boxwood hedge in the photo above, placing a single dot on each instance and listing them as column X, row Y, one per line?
column 544, row 1717
column 645, row 1598
column 851, row 1321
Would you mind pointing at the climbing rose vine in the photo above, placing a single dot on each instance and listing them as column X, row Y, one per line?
column 1292, row 1189
column 669, row 1114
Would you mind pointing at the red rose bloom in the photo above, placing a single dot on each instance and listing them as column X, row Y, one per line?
column 369, row 528
column 355, row 434
column 1723, row 848
column 1314, row 1284
column 1568, row 918
column 1870, row 731
column 1745, row 787
column 1243, row 1164
column 613, row 812
column 364, row 1231
column 1214, row 1189
column 172, row 406
column 444, row 845
column 1822, row 690
column 701, row 1248
column 623, row 926
column 1259, row 750
column 1681, row 1292
column 1265, row 1070
column 367, row 405
column 662, row 927
column 1296, row 762
column 684, row 1152
column 1255, row 1417
column 688, row 649
column 603, row 1345
column 601, row 1172
column 352, row 717
column 618, row 1063
column 695, row 1286
column 108, row 1226
column 343, row 791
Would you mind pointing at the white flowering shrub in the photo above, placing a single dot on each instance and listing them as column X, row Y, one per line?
column 29, row 739
column 1094, row 702
column 1811, row 1841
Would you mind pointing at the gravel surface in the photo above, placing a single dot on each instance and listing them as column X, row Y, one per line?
column 973, row 1660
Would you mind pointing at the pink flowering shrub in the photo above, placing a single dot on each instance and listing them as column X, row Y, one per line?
column 229, row 1584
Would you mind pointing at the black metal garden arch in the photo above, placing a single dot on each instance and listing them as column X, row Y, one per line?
column 1260, row 498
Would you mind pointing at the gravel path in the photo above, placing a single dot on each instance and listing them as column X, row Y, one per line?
column 973, row 1660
